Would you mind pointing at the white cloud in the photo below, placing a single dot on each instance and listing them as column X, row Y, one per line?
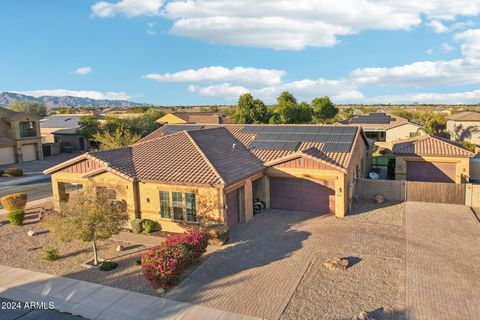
column 437, row 26
column 430, row 97
column 77, row 93
column 290, row 25
column 83, row 70
column 446, row 47
column 221, row 74
column 430, row 51
column 129, row 8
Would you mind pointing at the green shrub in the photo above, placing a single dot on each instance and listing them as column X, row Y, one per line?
column 14, row 172
column 50, row 254
column 15, row 201
column 1, row 172
column 108, row 265
column 136, row 225
column 16, row 217
column 137, row 262
column 148, row 226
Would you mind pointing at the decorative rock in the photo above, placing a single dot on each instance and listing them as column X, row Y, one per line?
column 336, row 264
column 31, row 233
column 161, row 291
column 120, row 248
column 378, row 198
column 362, row 316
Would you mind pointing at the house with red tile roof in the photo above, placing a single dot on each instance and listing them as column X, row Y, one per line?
column 190, row 175
column 431, row 159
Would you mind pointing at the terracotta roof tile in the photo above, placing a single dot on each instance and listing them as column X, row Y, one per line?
column 465, row 116
column 429, row 146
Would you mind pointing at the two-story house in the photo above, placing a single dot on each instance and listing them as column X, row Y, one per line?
column 20, row 139
column 464, row 126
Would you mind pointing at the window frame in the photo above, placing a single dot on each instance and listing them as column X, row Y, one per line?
column 30, row 131
column 171, row 209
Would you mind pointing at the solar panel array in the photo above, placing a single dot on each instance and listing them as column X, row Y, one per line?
column 335, row 138
column 374, row 117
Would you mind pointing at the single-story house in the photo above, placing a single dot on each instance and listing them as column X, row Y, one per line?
column 431, row 159
column 64, row 130
column 198, row 175
column 464, row 126
column 193, row 117
column 19, row 137
column 385, row 128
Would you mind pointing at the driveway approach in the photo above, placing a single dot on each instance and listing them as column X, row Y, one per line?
column 273, row 266
column 442, row 262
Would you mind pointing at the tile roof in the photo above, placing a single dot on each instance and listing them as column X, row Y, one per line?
column 465, row 116
column 395, row 121
column 61, row 121
column 342, row 159
column 203, row 157
column 200, row 117
column 429, row 146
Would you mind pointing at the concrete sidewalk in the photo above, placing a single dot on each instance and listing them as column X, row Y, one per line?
column 98, row 302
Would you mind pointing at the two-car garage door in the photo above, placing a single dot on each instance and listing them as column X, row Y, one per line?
column 7, row 155
column 302, row 195
column 431, row 171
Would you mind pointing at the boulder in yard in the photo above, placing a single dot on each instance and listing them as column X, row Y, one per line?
column 363, row 316
column 336, row 264
column 379, row 198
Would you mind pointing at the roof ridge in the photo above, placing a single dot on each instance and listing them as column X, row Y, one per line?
column 140, row 142
column 204, row 156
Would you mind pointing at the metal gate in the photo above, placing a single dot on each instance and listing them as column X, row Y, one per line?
column 435, row 192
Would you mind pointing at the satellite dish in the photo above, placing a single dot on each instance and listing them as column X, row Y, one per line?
column 374, row 175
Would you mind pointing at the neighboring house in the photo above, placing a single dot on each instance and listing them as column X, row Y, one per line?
column 193, row 117
column 19, row 137
column 464, row 126
column 64, row 129
column 187, row 175
column 431, row 159
column 385, row 128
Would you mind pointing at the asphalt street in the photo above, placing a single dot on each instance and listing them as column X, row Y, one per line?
column 38, row 189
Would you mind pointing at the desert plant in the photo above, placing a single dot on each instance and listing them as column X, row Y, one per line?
column 16, row 217
column 88, row 217
column 108, row 265
column 136, row 225
column 14, row 201
column 14, row 172
column 148, row 226
column 163, row 265
column 137, row 262
column 50, row 254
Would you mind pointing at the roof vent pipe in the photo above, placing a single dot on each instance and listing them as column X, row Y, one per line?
column 233, row 146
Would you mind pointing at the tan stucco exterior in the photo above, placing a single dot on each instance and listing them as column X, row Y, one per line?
column 10, row 128
column 464, row 130
column 462, row 171
column 404, row 131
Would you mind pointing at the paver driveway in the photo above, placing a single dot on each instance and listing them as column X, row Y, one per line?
column 442, row 262
column 259, row 272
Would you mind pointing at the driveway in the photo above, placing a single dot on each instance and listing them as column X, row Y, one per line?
column 442, row 262
column 273, row 266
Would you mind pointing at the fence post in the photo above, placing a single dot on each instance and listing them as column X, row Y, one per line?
column 468, row 195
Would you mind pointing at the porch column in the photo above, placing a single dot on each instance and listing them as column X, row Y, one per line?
column 248, row 188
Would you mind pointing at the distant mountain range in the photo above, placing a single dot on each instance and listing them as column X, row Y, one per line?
column 66, row 101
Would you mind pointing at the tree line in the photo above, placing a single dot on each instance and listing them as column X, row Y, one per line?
column 286, row 110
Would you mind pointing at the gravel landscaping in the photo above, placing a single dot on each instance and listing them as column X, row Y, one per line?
column 21, row 251
column 371, row 240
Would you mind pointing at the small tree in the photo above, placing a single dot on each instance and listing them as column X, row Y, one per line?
column 89, row 126
column 30, row 107
column 89, row 216
column 323, row 109
column 292, row 112
column 119, row 138
column 250, row 110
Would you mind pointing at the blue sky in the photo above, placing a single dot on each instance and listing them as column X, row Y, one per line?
column 210, row 51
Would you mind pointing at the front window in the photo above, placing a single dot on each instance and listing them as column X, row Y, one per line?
column 190, row 207
column 414, row 134
column 108, row 194
column 27, row 129
column 178, row 206
column 165, row 204
column 68, row 190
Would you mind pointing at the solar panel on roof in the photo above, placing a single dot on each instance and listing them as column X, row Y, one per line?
column 337, row 147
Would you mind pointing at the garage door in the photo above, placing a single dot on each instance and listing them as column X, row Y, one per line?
column 431, row 171
column 233, row 208
column 302, row 195
column 7, row 155
column 29, row 153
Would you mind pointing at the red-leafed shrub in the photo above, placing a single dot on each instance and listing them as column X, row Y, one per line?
column 163, row 265
column 15, row 201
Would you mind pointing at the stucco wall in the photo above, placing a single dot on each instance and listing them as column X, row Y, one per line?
column 403, row 132
column 472, row 129
column 170, row 118
column 462, row 171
